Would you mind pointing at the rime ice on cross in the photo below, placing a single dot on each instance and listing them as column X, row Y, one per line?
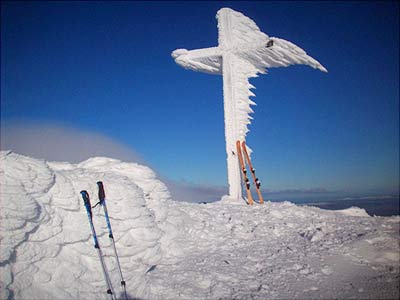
column 243, row 51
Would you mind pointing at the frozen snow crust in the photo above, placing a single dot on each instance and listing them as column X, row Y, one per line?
column 173, row 250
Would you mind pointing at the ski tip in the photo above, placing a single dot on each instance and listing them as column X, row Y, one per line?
column 99, row 183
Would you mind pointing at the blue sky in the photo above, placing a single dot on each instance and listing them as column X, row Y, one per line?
column 104, row 68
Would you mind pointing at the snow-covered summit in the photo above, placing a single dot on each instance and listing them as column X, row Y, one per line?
column 173, row 250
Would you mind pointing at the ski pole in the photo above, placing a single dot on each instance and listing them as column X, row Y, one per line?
column 102, row 201
column 86, row 201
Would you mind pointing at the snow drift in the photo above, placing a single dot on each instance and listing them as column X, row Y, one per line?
column 173, row 250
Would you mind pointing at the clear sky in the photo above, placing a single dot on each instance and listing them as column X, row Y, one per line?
column 104, row 68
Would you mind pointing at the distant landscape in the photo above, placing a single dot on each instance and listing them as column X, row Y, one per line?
column 373, row 206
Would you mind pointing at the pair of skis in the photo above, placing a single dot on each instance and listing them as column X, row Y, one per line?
column 242, row 151
column 102, row 202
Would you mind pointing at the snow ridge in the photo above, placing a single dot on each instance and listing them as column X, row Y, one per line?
column 44, row 228
column 172, row 250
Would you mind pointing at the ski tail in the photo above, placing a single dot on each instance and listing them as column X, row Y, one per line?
column 250, row 200
column 256, row 181
column 102, row 199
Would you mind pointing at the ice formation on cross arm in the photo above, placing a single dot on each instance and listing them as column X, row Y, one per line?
column 243, row 51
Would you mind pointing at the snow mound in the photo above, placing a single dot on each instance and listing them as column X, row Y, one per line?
column 173, row 250
column 46, row 246
column 354, row 212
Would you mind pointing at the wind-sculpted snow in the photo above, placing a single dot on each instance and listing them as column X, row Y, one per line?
column 24, row 182
column 46, row 248
column 173, row 250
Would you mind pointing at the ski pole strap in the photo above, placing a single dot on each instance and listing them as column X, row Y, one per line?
column 102, row 194
column 96, row 204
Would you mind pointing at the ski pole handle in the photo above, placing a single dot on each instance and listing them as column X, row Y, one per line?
column 102, row 194
column 86, row 201
column 85, row 197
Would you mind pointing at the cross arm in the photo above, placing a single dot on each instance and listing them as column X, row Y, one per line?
column 207, row 60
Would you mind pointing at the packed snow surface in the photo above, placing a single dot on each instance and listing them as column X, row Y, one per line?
column 174, row 250
column 243, row 52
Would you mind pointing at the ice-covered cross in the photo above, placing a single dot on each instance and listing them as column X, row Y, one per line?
column 243, row 51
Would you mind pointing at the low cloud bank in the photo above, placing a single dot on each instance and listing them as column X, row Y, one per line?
column 57, row 143
column 198, row 193
column 195, row 193
column 300, row 195
column 374, row 197
column 54, row 142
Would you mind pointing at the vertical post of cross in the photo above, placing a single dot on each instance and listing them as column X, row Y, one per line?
column 235, row 188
